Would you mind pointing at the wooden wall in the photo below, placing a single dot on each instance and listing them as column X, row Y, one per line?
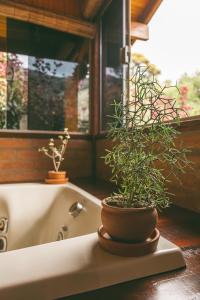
column 187, row 195
column 20, row 160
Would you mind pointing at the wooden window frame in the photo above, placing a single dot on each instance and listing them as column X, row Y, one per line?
column 93, row 91
column 186, row 125
column 40, row 134
column 126, row 41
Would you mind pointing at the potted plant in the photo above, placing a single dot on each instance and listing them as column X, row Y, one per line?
column 56, row 153
column 143, row 132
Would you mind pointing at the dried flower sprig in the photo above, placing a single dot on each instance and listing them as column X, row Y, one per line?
column 56, row 152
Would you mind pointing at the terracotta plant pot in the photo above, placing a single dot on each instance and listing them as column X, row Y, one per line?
column 128, row 249
column 128, row 224
column 56, row 175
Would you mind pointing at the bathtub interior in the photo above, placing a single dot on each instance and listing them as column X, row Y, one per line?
column 33, row 214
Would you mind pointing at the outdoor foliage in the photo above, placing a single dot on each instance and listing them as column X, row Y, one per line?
column 188, row 93
column 144, row 143
column 16, row 105
column 12, row 92
column 3, row 89
column 140, row 59
column 189, row 99
column 46, row 95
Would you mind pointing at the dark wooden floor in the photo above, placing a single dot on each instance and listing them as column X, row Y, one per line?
column 180, row 227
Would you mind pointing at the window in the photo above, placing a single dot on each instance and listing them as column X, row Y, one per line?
column 44, row 78
column 173, row 51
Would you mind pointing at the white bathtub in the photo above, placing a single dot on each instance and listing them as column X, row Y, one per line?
column 34, row 216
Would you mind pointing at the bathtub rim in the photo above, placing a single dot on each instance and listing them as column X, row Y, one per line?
column 77, row 265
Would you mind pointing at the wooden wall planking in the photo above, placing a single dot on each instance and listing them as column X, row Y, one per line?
column 187, row 193
column 20, row 160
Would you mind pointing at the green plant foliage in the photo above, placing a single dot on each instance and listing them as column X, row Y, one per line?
column 144, row 142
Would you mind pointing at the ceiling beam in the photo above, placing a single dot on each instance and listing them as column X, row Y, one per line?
column 42, row 17
column 139, row 31
column 91, row 7
column 149, row 11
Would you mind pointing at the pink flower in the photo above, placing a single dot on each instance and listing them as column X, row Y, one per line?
column 2, row 69
column 184, row 89
column 186, row 107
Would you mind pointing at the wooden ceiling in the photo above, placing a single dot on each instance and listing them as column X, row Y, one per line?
column 81, row 9
column 143, row 10
column 61, row 7
column 75, row 16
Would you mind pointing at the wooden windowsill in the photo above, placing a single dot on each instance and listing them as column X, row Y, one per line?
column 190, row 123
column 38, row 134
column 187, row 124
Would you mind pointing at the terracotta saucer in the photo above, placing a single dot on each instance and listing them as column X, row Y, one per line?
column 128, row 249
column 56, row 181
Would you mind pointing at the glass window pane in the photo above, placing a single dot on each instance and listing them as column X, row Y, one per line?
column 45, row 74
column 3, row 89
column 111, row 65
